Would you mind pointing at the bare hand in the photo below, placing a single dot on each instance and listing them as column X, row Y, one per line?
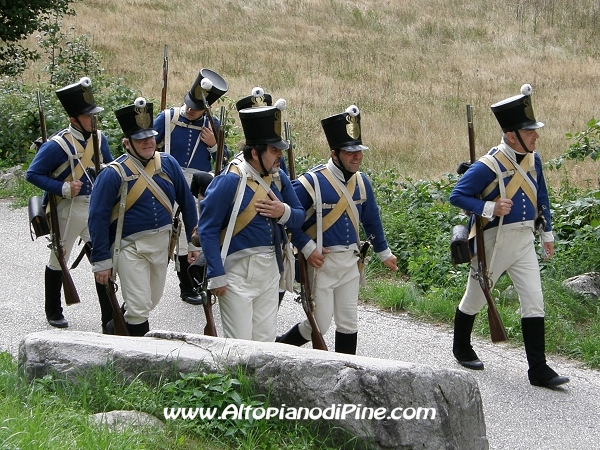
column 192, row 257
column 220, row 291
column 391, row 263
column 317, row 259
column 272, row 208
column 75, row 187
column 549, row 249
column 502, row 207
column 207, row 136
column 103, row 276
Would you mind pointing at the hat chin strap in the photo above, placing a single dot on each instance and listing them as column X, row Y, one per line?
column 347, row 174
column 521, row 142
column 136, row 155
column 86, row 134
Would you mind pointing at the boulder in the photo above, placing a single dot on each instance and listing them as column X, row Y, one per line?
column 419, row 406
column 587, row 284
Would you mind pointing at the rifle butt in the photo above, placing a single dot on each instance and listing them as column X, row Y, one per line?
column 71, row 295
column 209, row 329
column 497, row 331
column 318, row 342
column 118, row 318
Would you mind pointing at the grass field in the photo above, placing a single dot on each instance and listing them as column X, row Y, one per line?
column 411, row 67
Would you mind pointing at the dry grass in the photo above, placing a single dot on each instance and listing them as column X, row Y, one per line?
column 410, row 66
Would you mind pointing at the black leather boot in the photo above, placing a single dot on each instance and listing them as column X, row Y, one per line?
column 138, row 330
column 188, row 293
column 292, row 337
column 52, row 305
column 346, row 343
column 106, row 311
column 534, row 338
column 461, row 346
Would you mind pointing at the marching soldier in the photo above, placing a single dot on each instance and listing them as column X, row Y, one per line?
column 511, row 210
column 64, row 167
column 131, row 207
column 337, row 198
column 185, row 133
column 258, row 97
column 241, row 228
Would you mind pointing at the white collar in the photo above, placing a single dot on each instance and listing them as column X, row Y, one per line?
column 76, row 133
column 335, row 170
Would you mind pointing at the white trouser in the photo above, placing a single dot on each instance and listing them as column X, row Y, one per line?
column 516, row 255
column 249, row 307
column 335, row 293
column 142, row 270
column 77, row 226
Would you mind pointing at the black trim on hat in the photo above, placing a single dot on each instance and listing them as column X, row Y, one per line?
column 78, row 100
column 262, row 126
column 343, row 132
column 136, row 122
column 193, row 99
column 516, row 113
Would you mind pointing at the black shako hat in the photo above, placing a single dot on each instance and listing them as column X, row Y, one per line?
column 343, row 130
column 516, row 113
column 211, row 84
column 257, row 98
column 262, row 125
column 137, row 120
column 77, row 98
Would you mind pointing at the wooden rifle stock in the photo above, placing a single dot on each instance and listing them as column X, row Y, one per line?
column 96, row 144
column 306, row 299
column 287, row 134
column 209, row 329
column 118, row 319
column 305, row 291
column 220, row 143
column 197, row 273
column 497, row 331
column 42, row 118
column 165, row 77
column 71, row 295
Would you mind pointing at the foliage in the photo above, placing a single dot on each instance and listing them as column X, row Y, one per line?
column 57, row 409
column 19, row 19
column 69, row 57
column 418, row 222
column 587, row 143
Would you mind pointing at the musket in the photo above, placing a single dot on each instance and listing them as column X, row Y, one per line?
column 306, row 295
column 220, row 143
column 94, row 121
column 175, row 232
column 306, row 299
column 71, row 295
column 287, row 135
column 197, row 272
column 96, row 144
column 165, row 77
column 497, row 331
column 118, row 318
column 211, row 119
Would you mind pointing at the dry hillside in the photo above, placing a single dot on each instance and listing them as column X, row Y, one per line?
column 410, row 66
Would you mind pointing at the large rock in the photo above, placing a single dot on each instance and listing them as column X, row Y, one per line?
column 323, row 382
column 587, row 284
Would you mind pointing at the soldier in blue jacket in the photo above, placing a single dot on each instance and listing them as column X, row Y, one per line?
column 185, row 133
column 131, row 217
column 507, row 189
column 241, row 228
column 63, row 166
column 342, row 195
